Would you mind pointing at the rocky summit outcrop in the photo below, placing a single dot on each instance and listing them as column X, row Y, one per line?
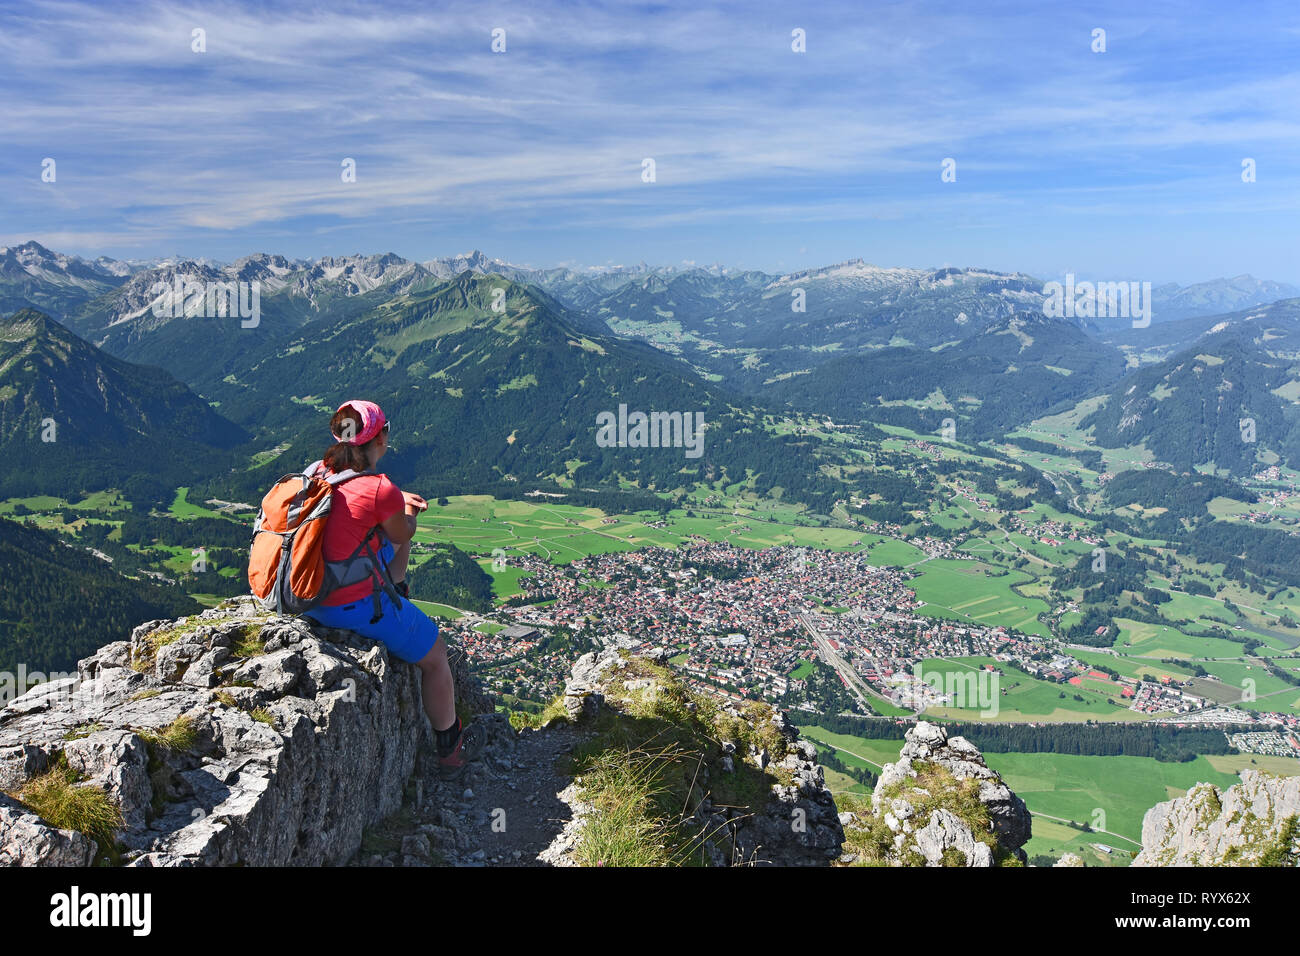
column 940, row 804
column 231, row 737
column 1252, row 823
column 746, row 790
column 237, row 737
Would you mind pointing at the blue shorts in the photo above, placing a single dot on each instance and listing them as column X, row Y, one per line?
column 406, row 631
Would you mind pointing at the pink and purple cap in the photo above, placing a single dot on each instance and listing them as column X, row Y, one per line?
column 372, row 419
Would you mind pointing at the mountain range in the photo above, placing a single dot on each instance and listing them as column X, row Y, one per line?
column 496, row 373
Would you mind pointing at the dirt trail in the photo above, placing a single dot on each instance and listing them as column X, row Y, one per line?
column 503, row 810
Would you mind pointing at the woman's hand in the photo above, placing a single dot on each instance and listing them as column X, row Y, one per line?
column 414, row 503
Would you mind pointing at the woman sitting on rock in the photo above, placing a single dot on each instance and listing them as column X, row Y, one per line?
column 359, row 505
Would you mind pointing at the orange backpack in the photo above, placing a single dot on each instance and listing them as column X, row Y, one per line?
column 287, row 569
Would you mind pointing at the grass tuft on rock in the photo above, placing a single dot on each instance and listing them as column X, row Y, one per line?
column 657, row 751
column 85, row 730
column 145, row 655
column 653, row 755
column 180, row 734
column 522, row 719
column 248, row 642
column 225, row 697
column 632, row 820
column 58, row 798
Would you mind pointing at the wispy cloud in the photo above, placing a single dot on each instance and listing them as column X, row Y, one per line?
column 758, row 150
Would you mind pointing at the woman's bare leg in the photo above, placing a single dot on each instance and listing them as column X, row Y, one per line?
column 436, row 686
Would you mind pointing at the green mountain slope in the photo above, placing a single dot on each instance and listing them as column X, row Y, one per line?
column 1192, row 409
column 74, row 419
column 987, row 384
column 487, row 381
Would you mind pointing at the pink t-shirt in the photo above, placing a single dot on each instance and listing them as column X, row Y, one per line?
column 358, row 505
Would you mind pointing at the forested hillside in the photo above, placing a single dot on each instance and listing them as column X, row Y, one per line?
column 1217, row 402
column 59, row 602
column 447, row 575
column 987, row 383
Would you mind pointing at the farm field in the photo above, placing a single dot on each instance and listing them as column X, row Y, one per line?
column 885, row 709
column 1235, row 763
column 966, row 591
column 1140, row 639
column 1131, row 666
column 890, row 552
column 562, row 533
column 1196, row 606
column 97, row 501
column 559, row 533
column 1074, row 787
column 1046, row 553
column 438, row 610
column 1055, row 838
column 1259, row 618
column 1271, row 693
column 856, row 751
column 802, row 671
column 182, row 508
column 1027, row 698
column 839, row 783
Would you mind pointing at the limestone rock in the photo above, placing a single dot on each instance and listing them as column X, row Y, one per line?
column 26, row 840
column 328, row 753
column 797, row 825
column 1252, row 822
column 925, row 828
column 945, row 832
column 930, row 742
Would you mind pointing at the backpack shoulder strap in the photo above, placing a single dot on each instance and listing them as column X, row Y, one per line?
column 313, row 471
column 348, row 475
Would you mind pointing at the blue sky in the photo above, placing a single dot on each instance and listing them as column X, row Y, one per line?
column 1123, row 164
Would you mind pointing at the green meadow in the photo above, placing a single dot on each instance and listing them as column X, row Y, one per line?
column 1270, row 693
column 182, row 508
column 563, row 533
column 856, row 751
column 1075, row 787
column 802, row 671
column 1024, row 697
column 969, row 591
column 438, row 610
column 1132, row 667
column 1142, row 639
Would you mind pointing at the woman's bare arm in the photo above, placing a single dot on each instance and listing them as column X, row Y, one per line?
column 400, row 527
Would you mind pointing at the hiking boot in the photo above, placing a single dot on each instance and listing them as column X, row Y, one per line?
column 462, row 754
